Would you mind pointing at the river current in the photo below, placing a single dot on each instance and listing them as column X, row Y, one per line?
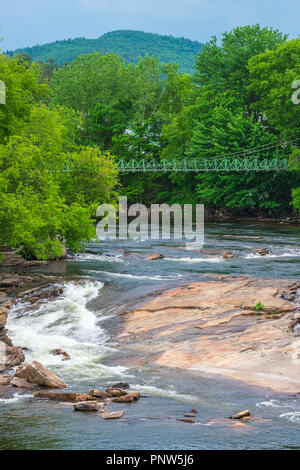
column 83, row 321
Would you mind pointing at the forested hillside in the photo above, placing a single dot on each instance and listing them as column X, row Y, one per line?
column 127, row 44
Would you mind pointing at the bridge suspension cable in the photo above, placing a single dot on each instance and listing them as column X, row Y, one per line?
column 257, row 159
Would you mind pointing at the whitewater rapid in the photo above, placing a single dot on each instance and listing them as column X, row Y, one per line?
column 65, row 323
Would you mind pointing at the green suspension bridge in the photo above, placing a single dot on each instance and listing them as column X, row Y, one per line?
column 271, row 157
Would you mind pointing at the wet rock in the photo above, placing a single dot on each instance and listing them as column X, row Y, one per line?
column 13, row 282
column 261, row 251
column 93, row 252
column 193, row 410
column 3, row 316
column 60, row 352
column 14, row 356
column 99, row 393
column 38, row 374
column 5, row 379
column 240, row 425
column 213, row 327
column 88, row 406
column 22, row 383
column 115, row 392
column 36, row 262
column 154, row 256
column 146, row 256
column 122, row 385
column 65, row 397
column 51, row 293
column 112, row 415
column 129, row 397
column 241, row 414
column 209, row 251
column 187, row 420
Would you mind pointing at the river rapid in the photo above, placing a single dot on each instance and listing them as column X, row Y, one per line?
column 84, row 320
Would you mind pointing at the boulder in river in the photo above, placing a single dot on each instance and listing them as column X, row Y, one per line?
column 5, row 379
column 88, row 406
column 38, row 374
column 115, row 392
column 241, row 414
column 99, row 393
column 112, row 415
column 129, row 397
column 60, row 352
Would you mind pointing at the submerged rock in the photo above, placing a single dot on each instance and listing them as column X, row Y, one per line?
column 38, row 374
column 112, row 415
column 122, row 385
column 146, row 256
column 186, row 420
column 261, row 251
column 154, row 256
column 67, row 397
column 209, row 251
column 22, row 383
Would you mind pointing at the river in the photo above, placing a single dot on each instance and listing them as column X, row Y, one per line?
column 83, row 321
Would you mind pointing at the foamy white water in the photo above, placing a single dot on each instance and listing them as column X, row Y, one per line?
column 16, row 397
column 132, row 276
column 285, row 254
column 97, row 257
column 196, row 260
column 293, row 416
column 68, row 324
column 162, row 392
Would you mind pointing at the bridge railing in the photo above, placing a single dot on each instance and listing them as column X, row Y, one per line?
column 203, row 165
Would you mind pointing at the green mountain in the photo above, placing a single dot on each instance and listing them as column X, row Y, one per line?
column 126, row 43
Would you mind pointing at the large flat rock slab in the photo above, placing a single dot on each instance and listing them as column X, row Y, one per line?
column 236, row 326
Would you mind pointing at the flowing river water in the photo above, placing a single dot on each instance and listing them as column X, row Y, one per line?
column 83, row 321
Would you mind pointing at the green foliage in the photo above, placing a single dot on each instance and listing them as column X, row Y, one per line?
column 224, row 116
column 259, row 307
column 23, row 89
column 49, row 187
column 225, row 67
column 128, row 44
column 271, row 78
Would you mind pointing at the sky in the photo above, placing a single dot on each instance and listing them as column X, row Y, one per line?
column 30, row 22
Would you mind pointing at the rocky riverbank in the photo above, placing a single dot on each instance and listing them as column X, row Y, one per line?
column 235, row 326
